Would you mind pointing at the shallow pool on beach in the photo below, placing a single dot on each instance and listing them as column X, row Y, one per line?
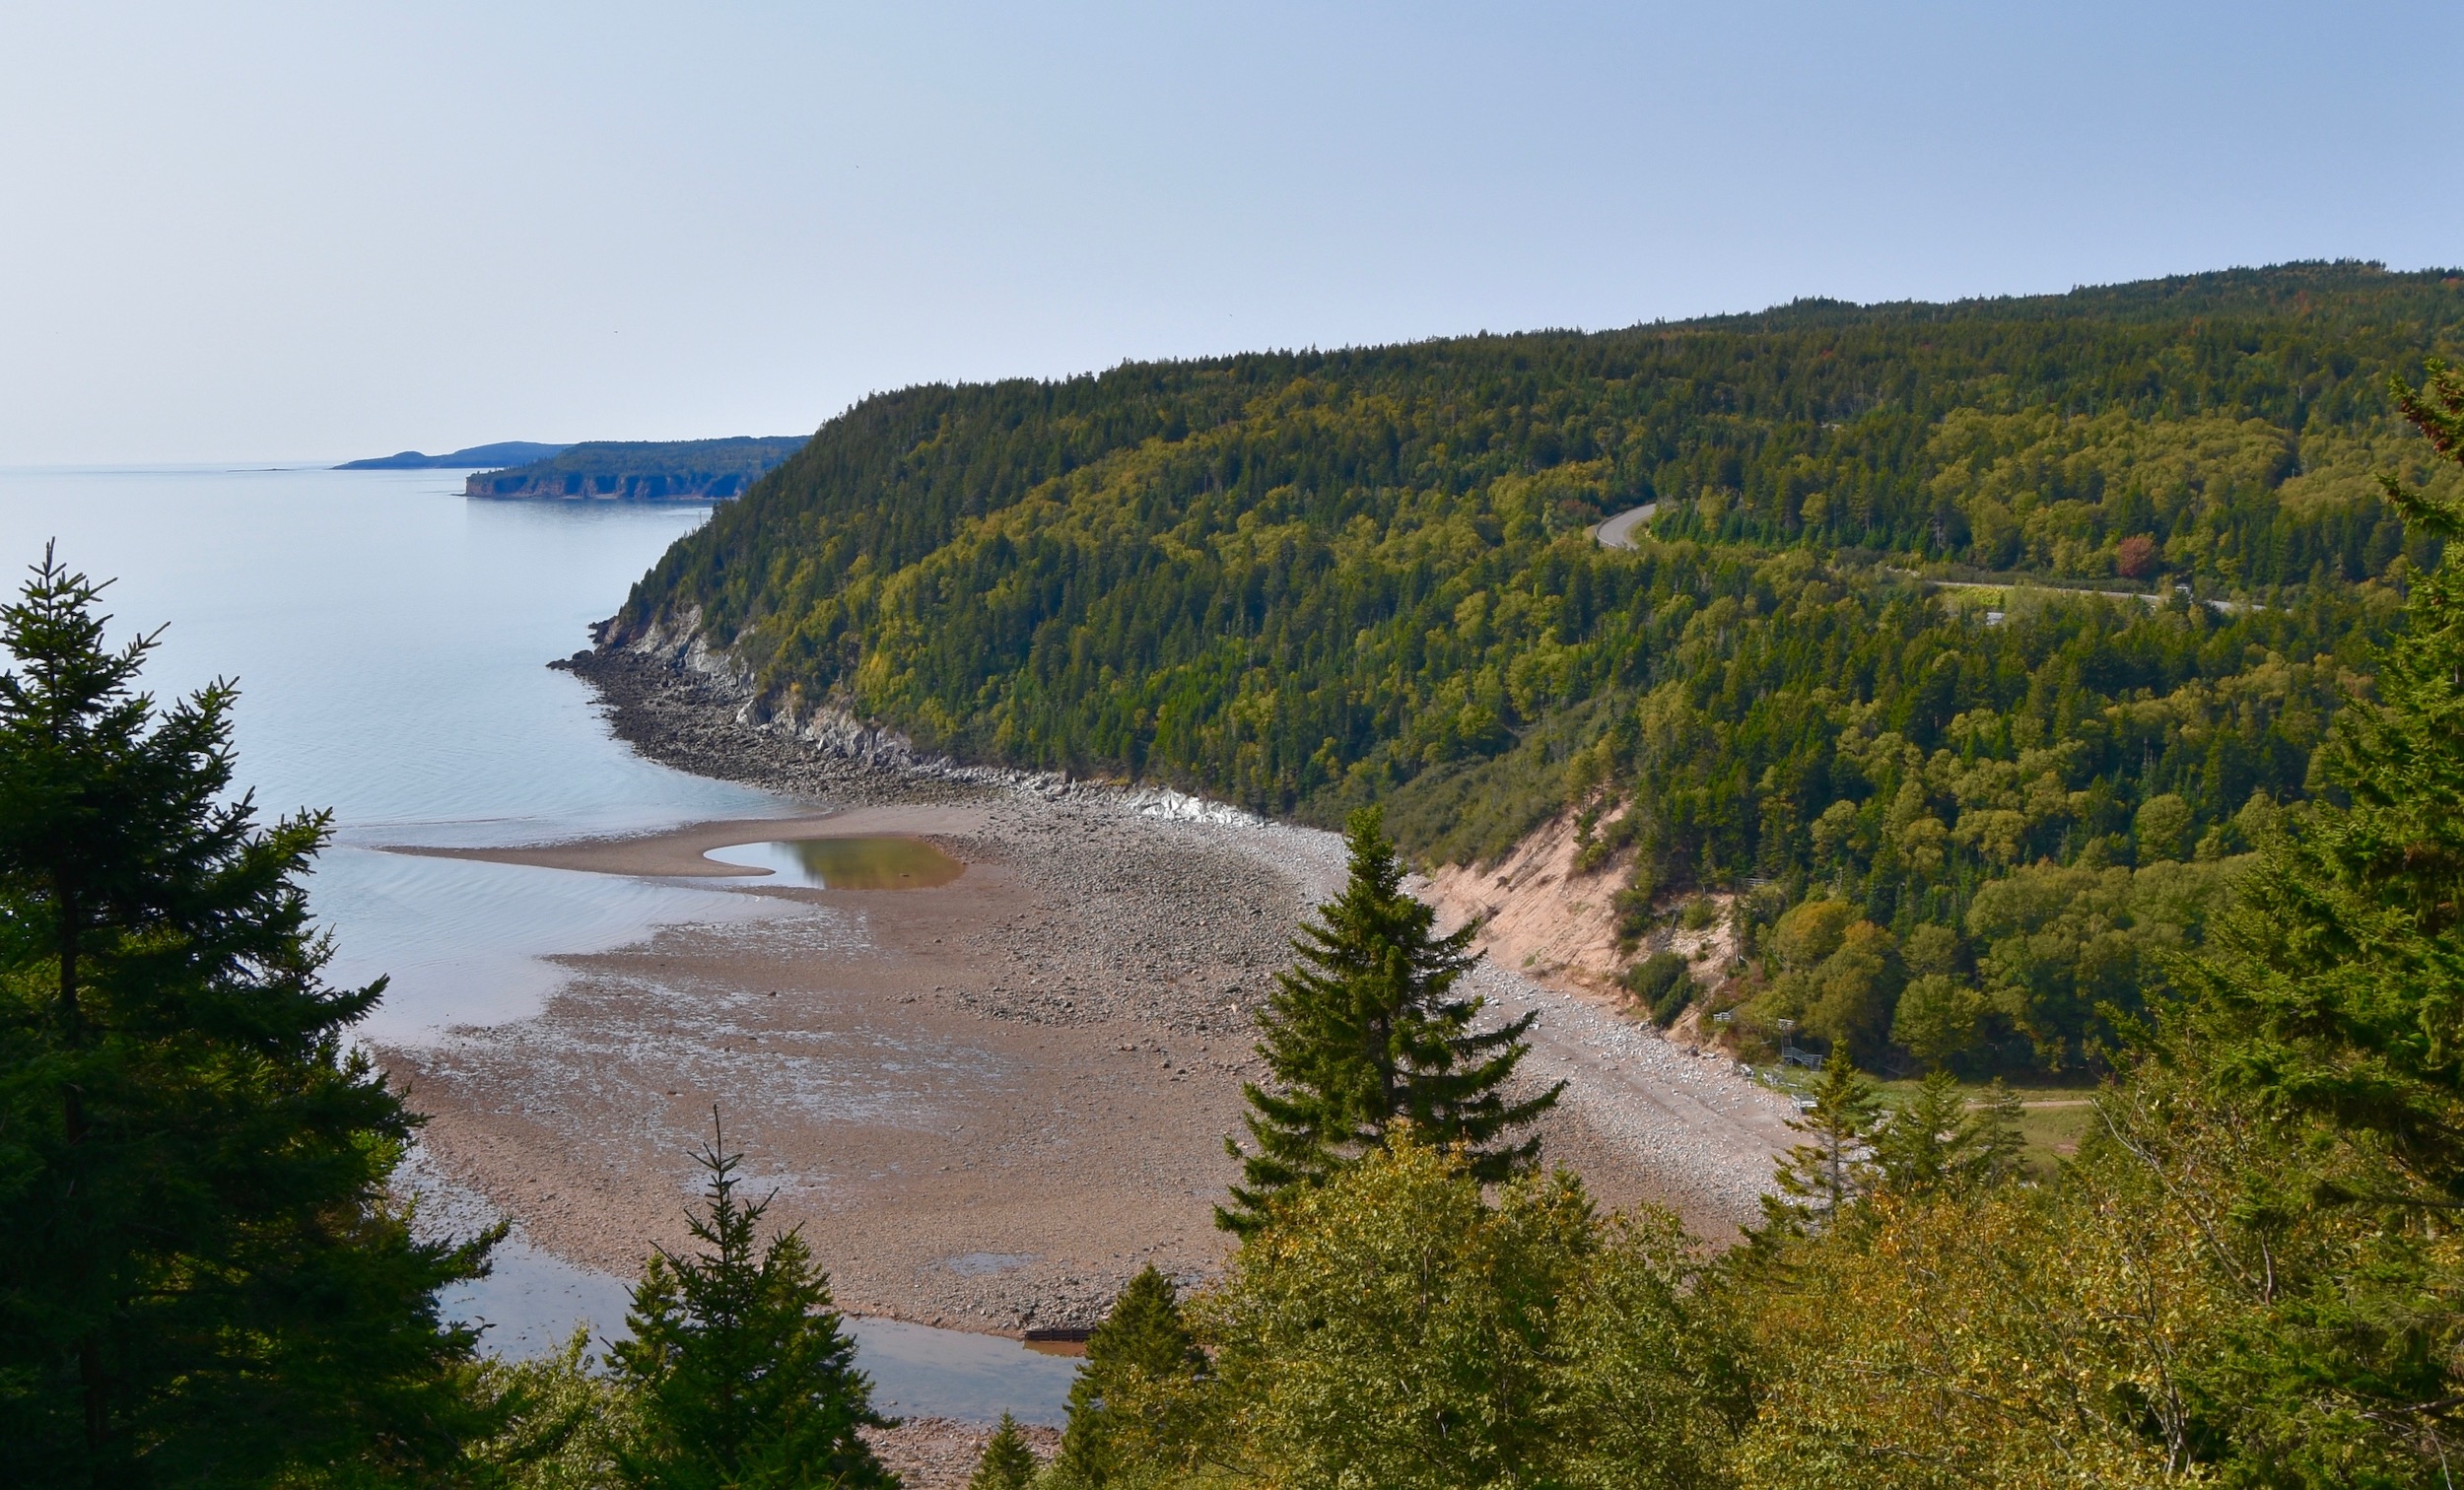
column 389, row 638
column 847, row 864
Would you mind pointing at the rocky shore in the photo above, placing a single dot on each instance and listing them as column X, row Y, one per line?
column 986, row 1104
column 1643, row 1118
column 940, row 1454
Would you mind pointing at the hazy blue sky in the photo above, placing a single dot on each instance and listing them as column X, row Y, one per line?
column 249, row 230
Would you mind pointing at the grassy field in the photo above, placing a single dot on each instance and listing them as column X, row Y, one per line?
column 2052, row 1118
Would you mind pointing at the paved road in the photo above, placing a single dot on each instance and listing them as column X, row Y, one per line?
column 1619, row 531
column 2152, row 601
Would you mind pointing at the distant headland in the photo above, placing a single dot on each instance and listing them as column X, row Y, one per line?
column 605, row 470
column 507, row 452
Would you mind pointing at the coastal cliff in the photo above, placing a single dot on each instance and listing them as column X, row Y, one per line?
column 606, row 470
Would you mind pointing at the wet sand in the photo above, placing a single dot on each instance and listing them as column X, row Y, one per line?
column 988, row 1103
column 678, row 852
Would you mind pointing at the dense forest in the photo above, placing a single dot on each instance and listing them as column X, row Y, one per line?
column 640, row 470
column 1310, row 580
column 2247, row 1275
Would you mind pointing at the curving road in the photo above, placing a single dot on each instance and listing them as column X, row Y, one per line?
column 1619, row 531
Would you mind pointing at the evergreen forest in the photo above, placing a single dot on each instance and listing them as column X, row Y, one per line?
column 2002, row 628
column 2248, row 1274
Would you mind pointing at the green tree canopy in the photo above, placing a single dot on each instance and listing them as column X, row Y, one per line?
column 202, row 1281
column 742, row 1374
column 1131, row 1402
column 1365, row 1029
column 1394, row 1327
column 1938, row 1140
column 1820, row 1178
column 2249, row 1273
column 1309, row 581
column 1006, row 1463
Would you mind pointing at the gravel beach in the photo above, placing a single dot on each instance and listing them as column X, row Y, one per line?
column 991, row 1102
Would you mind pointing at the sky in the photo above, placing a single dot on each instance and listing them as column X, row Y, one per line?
column 317, row 231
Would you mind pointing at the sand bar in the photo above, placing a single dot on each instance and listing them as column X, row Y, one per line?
column 678, row 852
column 988, row 1103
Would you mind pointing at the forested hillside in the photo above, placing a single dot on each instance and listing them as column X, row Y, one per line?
column 640, row 470
column 1306, row 581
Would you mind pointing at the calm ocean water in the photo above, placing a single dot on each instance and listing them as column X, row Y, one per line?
column 389, row 638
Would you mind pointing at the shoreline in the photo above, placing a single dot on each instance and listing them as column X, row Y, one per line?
column 680, row 852
column 988, row 1103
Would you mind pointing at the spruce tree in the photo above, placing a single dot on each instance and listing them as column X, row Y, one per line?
column 1817, row 1179
column 1007, row 1463
column 202, row 1281
column 1115, row 1407
column 1937, row 1141
column 1365, row 1029
column 2335, row 990
column 742, row 1371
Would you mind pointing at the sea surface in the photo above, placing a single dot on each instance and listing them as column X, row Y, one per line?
column 390, row 641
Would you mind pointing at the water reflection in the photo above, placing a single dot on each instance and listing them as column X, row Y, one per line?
column 847, row 863
column 390, row 641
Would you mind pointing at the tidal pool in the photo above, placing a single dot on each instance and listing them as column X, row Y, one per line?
column 847, row 864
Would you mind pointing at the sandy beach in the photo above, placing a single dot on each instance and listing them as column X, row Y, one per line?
column 990, row 1102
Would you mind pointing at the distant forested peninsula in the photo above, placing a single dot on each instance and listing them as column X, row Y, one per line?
column 503, row 453
column 610, row 471
column 1308, row 580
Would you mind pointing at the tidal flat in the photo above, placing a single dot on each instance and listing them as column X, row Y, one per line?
column 1034, row 1062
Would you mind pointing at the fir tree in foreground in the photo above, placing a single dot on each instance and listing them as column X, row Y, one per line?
column 741, row 1373
column 1007, row 1463
column 1128, row 1400
column 2332, row 1009
column 1366, row 1029
column 2338, row 987
column 201, row 1280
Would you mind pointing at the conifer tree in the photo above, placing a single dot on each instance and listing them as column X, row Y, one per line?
column 1937, row 1141
column 742, row 1371
column 2336, row 986
column 1366, row 1029
column 1115, row 1405
column 1007, row 1463
column 202, row 1281
column 1817, row 1179
column 2328, row 1013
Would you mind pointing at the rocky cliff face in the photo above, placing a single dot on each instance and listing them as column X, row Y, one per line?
column 613, row 470
column 608, row 486
column 1542, row 915
column 1546, row 917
